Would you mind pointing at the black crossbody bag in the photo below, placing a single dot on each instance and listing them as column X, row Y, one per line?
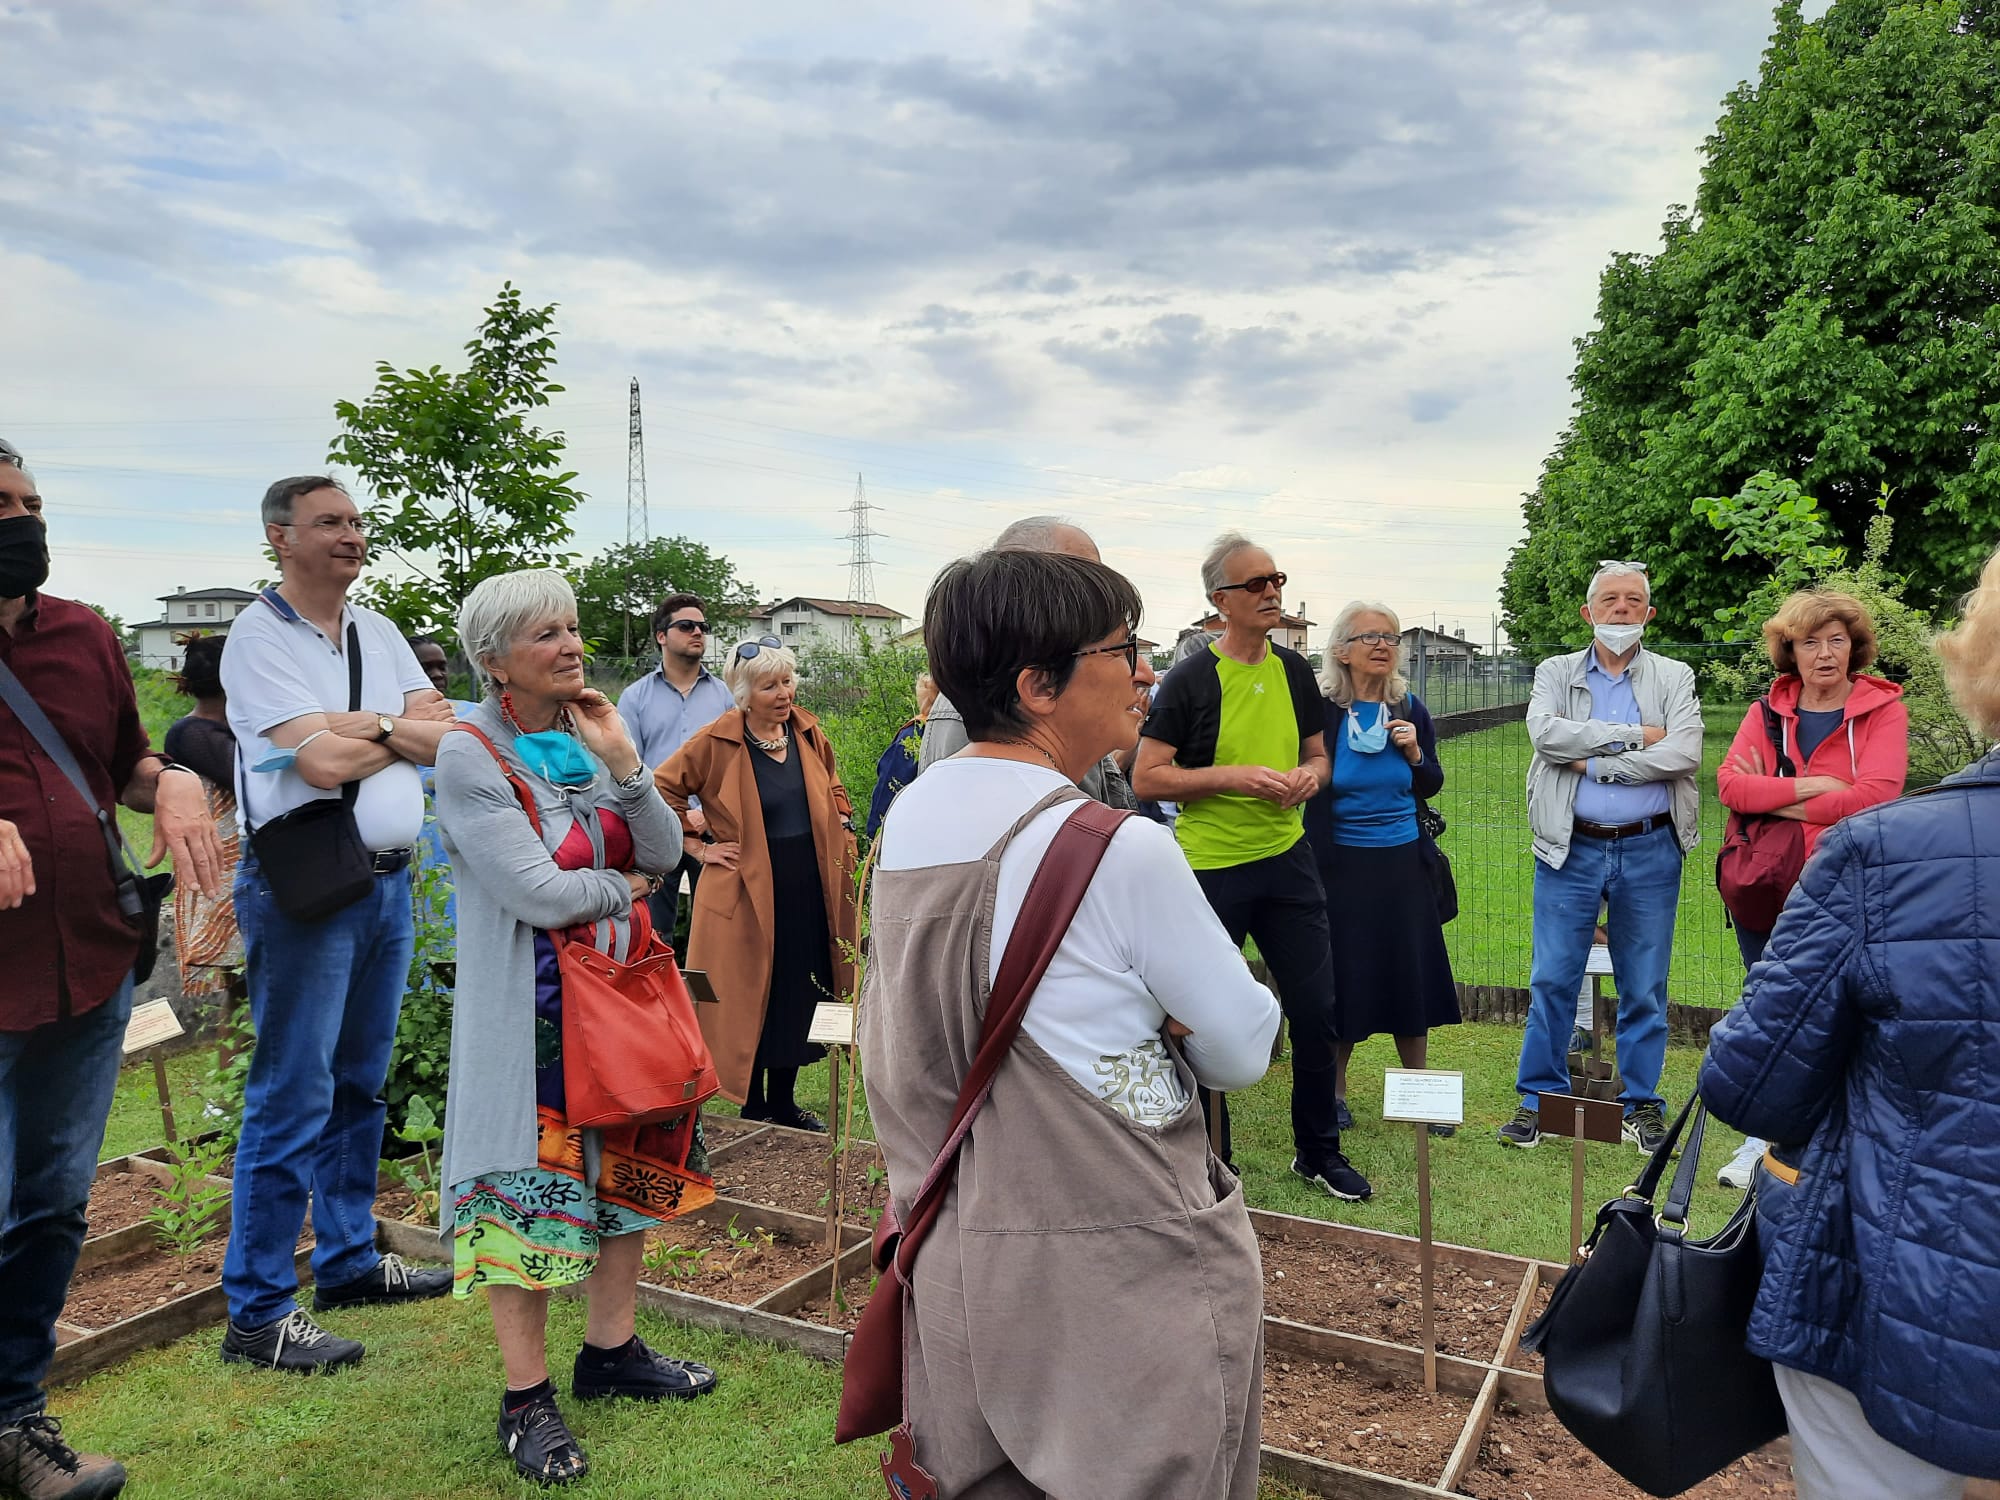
column 139, row 895
column 312, row 857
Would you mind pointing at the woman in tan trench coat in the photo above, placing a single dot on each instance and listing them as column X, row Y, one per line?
column 774, row 915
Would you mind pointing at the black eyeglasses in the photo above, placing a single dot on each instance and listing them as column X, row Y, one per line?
column 1255, row 585
column 1373, row 638
column 749, row 650
column 1129, row 647
column 688, row 627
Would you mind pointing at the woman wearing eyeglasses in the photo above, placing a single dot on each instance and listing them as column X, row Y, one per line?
column 774, row 916
column 1390, row 969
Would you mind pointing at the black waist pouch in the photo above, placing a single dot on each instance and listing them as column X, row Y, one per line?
column 314, row 860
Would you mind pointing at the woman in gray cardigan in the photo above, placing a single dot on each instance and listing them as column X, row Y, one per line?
column 537, row 1204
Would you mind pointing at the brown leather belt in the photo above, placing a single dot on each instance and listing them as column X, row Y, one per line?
column 1621, row 830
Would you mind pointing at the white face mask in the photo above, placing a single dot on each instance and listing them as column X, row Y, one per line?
column 1618, row 639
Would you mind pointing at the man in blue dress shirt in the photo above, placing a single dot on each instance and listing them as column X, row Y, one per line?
column 662, row 710
column 1612, row 803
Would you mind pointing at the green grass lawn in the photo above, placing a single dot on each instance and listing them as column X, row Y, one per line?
column 419, row 1412
column 1485, row 804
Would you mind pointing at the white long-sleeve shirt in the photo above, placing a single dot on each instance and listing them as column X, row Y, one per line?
column 1144, row 947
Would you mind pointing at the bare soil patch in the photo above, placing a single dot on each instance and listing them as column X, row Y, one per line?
column 711, row 1263
column 1326, row 1410
column 1380, row 1297
column 718, row 1130
column 118, row 1200
column 134, row 1284
column 847, row 1312
column 1520, row 1359
column 1531, row 1453
column 788, row 1170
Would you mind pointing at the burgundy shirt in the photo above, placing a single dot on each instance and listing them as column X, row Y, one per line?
column 66, row 949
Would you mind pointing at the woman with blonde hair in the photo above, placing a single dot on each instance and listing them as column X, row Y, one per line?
column 1845, row 733
column 774, row 916
column 1864, row 1045
column 1391, row 972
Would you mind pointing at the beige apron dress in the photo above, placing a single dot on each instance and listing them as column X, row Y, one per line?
column 1087, row 1316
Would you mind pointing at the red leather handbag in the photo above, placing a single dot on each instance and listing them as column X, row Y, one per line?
column 872, row 1396
column 632, row 1051
column 1761, row 856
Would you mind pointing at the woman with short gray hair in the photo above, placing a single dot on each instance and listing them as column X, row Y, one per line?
column 532, row 1203
column 775, row 923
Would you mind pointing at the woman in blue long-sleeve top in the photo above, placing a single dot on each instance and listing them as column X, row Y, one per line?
column 1868, row 1042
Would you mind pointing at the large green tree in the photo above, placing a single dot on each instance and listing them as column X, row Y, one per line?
column 1830, row 309
column 461, row 486
column 619, row 589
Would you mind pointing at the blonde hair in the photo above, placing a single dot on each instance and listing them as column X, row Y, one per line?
column 1813, row 609
column 744, row 675
column 1334, row 678
column 1971, row 653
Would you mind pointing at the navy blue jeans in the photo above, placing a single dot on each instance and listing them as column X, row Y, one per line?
column 1639, row 880
column 324, row 997
column 56, row 1084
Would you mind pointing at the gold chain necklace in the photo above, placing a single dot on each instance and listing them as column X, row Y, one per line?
column 771, row 747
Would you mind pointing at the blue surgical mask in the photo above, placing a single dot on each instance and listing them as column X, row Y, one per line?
column 557, row 758
column 1372, row 740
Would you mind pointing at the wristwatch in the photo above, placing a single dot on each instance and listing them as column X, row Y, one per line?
column 384, row 727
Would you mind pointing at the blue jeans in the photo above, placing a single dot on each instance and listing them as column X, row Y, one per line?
column 56, row 1084
column 1640, row 880
column 324, row 997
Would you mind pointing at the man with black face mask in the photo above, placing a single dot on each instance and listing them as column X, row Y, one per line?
column 1612, row 804
column 69, row 954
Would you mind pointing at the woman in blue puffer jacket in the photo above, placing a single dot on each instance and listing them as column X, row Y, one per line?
column 1870, row 1040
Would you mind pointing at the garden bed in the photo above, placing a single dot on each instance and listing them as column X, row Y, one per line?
column 1328, row 1410
column 121, row 1198
column 730, row 1260
column 1332, row 1285
column 787, row 1169
column 1531, row 1453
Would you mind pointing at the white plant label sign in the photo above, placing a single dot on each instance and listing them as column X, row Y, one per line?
column 1427, row 1096
column 832, row 1023
column 151, row 1023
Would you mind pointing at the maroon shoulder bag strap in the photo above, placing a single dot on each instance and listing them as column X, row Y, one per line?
column 872, row 1397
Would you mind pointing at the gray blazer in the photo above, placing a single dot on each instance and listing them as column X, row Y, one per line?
column 508, row 886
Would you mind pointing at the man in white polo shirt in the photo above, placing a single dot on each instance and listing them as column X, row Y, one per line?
column 332, row 716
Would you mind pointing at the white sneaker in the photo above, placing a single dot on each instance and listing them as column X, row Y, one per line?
column 1737, row 1173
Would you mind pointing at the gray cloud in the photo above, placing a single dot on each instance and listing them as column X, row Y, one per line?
column 1258, row 369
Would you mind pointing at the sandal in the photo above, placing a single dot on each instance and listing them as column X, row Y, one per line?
column 539, row 1441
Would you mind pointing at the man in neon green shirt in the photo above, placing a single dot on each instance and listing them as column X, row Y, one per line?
column 1236, row 737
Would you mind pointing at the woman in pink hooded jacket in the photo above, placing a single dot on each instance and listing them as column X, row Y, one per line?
column 1846, row 733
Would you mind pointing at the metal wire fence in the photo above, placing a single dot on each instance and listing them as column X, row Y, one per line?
column 1485, row 803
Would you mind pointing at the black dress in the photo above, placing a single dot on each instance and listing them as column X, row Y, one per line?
column 801, row 944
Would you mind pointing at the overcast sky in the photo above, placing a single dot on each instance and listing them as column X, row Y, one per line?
column 1311, row 269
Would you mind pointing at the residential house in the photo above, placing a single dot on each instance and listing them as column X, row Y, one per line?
column 1293, row 631
column 801, row 621
column 208, row 611
column 1420, row 642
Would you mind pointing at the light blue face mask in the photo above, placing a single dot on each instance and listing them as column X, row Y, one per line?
column 1370, row 741
column 557, row 758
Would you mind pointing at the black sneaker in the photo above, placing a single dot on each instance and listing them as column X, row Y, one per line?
column 1343, row 1117
column 393, row 1280
column 1335, row 1178
column 539, row 1441
column 294, row 1343
column 1524, row 1130
column 36, row 1464
column 795, row 1118
column 1442, row 1132
column 1646, row 1126
column 640, row 1373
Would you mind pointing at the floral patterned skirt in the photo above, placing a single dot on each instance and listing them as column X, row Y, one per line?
column 539, row 1227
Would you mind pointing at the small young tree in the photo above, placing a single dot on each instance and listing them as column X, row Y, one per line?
column 462, row 486
column 862, row 695
column 1771, row 521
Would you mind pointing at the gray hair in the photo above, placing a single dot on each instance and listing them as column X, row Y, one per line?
column 282, row 496
column 743, row 675
column 1044, row 534
column 10, row 454
column 1224, row 547
column 501, row 609
column 1617, row 570
column 1334, row 678
column 1192, row 643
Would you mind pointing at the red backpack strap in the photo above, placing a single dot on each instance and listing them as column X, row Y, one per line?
column 520, row 787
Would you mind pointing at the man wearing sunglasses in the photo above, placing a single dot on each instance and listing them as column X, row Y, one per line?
column 1613, row 807
column 662, row 710
column 1237, row 736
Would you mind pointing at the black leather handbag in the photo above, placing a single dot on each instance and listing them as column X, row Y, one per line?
column 1642, row 1343
column 1437, row 864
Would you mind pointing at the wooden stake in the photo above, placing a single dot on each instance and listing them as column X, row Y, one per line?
column 1426, row 1257
column 840, row 1202
column 1576, row 1188
column 166, row 1100
column 833, row 1172
column 1215, row 1122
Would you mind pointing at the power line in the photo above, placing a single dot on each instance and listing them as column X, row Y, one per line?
column 861, row 560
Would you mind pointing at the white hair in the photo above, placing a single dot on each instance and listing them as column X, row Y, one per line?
column 743, row 675
column 501, row 609
column 1032, row 534
column 1220, row 551
column 1334, row 678
column 1617, row 570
